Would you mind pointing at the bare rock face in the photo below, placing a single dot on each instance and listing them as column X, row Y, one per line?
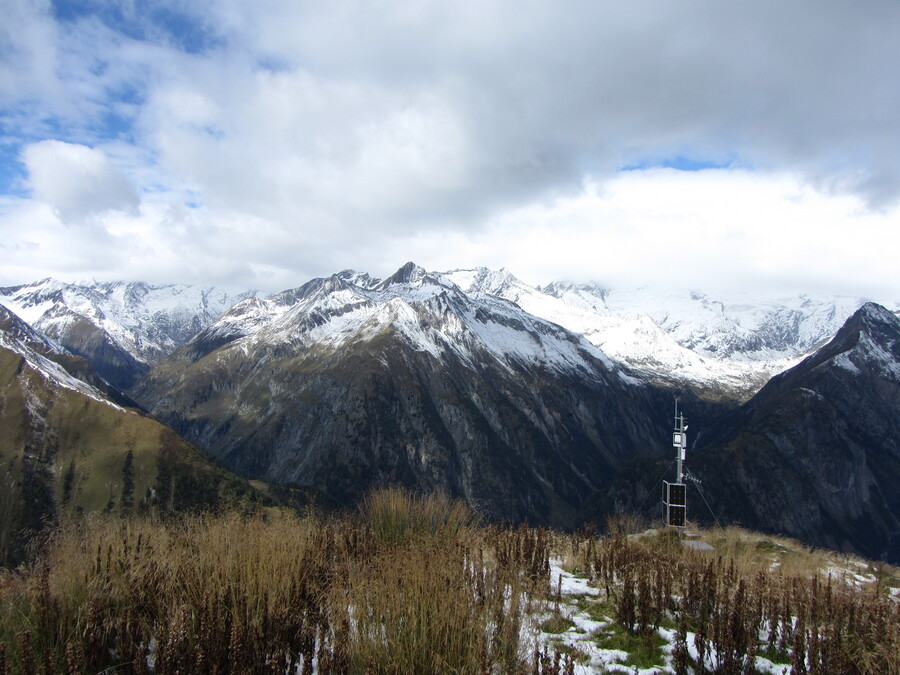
column 816, row 453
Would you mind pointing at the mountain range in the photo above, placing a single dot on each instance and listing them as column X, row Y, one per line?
column 529, row 403
column 726, row 346
column 122, row 328
column 346, row 382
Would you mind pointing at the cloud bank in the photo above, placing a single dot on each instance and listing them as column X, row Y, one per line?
column 261, row 144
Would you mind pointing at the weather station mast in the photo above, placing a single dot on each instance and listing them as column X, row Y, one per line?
column 675, row 494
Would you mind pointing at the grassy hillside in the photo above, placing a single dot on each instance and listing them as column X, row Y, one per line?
column 63, row 452
column 415, row 585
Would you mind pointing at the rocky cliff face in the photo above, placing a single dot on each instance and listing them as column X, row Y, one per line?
column 816, row 453
column 344, row 385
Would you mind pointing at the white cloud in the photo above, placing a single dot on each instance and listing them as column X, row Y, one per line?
column 714, row 229
column 308, row 137
column 28, row 39
column 77, row 181
column 709, row 230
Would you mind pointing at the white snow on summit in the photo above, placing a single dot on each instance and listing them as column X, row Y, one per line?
column 735, row 343
column 428, row 310
column 148, row 321
column 732, row 344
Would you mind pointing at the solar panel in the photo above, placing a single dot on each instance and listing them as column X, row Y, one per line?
column 676, row 515
column 677, row 494
column 675, row 500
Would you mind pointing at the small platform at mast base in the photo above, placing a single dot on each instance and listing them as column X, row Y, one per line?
column 696, row 545
column 692, row 541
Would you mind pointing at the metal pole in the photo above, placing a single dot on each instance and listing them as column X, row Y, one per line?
column 679, row 427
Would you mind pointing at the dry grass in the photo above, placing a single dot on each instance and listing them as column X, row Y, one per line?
column 408, row 586
column 411, row 584
column 395, row 516
column 427, row 609
column 752, row 552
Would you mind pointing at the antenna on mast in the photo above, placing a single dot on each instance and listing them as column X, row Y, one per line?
column 675, row 494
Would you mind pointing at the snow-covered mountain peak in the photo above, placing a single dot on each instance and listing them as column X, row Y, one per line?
column 869, row 340
column 877, row 316
column 732, row 342
column 361, row 279
column 146, row 321
column 122, row 327
column 429, row 311
column 483, row 280
column 409, row 274
column 43, row 287
column 247, row 315
column 672, row 336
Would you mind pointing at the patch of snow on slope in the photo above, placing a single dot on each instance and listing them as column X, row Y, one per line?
column 28, row 313
column 53, row 371
column 527, row 339
column 875, row 355
column 843, row 361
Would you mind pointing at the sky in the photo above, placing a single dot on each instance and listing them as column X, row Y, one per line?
column 696, row 144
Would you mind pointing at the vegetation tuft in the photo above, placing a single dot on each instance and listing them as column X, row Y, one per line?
column 394, row 516
column 644, row 651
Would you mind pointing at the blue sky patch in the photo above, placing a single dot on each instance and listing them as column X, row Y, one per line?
column 143, row 20
column 12, row 172
column 680, row 163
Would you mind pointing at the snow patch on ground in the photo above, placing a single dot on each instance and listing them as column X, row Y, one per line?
column 567, row 589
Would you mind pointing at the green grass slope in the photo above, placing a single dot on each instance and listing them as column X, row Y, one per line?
column 63, row 452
